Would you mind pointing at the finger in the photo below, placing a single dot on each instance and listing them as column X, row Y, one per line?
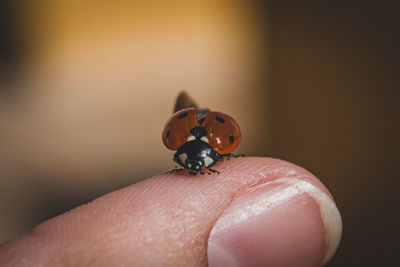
column 258, row 211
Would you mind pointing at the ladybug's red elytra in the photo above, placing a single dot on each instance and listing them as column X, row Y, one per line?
column 201, row 138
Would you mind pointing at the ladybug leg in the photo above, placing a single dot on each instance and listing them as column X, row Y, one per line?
column 226, row 157
column 231, row 155
column 213, row 171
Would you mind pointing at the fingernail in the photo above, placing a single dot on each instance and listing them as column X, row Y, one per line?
column 288, row 222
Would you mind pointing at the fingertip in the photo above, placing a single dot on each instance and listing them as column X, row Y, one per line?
column 306, row 218
column 167, row 219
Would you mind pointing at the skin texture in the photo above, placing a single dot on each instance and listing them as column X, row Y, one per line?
column 175, row 219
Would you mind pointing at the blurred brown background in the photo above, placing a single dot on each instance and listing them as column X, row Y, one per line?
column 86, row 89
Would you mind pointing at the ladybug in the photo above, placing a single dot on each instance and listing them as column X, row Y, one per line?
column 201, row 138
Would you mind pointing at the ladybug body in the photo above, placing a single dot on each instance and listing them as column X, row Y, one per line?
column 201, row 138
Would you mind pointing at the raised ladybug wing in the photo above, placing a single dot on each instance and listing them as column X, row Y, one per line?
column 184, row 101
column 177, row 130
column 223, row 133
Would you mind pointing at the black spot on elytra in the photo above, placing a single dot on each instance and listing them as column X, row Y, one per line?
column 231, row 139
column 183, row 115
column 167, row 134
column 220, row 119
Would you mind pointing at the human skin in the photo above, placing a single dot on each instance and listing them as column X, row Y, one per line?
column 256, row 212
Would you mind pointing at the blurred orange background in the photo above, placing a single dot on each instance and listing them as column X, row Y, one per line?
column 86, row 89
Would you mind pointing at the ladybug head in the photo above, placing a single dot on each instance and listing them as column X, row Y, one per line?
column 194, row 165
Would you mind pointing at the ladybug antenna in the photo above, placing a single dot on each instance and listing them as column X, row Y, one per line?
column 184, row 101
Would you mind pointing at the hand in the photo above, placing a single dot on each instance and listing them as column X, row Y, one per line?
column 257, row 212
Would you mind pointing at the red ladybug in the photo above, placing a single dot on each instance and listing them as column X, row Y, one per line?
column 201, row 137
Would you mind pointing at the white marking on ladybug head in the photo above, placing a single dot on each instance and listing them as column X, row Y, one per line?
column 191, row 138
column 204, row 138
column 197, row 167
column 189, row 165
column 183, row 157
column 208, row 161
